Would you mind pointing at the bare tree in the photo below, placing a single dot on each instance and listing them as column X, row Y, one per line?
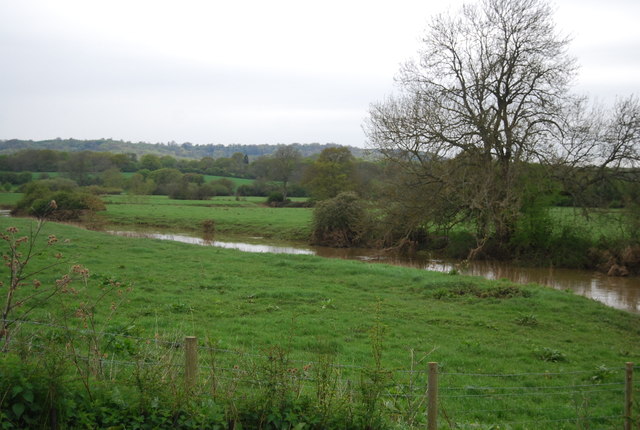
column 597, row 145
column 485, row 96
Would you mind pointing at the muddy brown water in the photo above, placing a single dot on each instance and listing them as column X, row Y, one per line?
column 620, row 293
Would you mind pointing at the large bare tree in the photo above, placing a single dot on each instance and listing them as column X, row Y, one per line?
column 485, row 96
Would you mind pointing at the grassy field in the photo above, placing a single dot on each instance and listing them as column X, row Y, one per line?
column 8, row 200
column 314, row 306
column 209, row 178
column 248, row 216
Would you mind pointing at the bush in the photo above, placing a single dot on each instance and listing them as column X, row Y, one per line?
column 340, row 221
column 70, row 202
column 223, row 187
column 276, row 199
column 46, row 185
column 218, row 189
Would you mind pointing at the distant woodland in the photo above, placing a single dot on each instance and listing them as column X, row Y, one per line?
column 184, row 150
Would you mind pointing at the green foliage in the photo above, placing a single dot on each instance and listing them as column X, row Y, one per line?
column 550, row 355
column 70, row 201
column 527, row 320
column 331, row 174
column 339, row 221
column 533, row 231
column 139, row 184
column 275, row 198
column 28, row 396
column 14, row 178
column 223, row 187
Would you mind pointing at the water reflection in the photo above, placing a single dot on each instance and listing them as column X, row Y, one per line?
column 245, row 247
column 620, row 293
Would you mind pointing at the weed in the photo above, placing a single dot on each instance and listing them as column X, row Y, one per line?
column 527, row 320
column 550, row 355
column 601, row 374
column 180, row 308
column 25, row 292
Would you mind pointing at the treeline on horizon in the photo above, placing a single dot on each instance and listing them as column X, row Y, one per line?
column 282, row 174
column 183, row 150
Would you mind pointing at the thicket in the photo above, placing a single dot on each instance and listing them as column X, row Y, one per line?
column 69, row 201
column 341, row 221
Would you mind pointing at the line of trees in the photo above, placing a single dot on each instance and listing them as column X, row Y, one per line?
column 285, row 172
column 177, row 150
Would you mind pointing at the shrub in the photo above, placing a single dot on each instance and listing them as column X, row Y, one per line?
column 223, row 187
column 275, row 197
column 70, row 202
column 340, row 221
column 216, row 189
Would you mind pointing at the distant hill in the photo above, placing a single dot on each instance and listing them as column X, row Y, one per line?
column 184, row 150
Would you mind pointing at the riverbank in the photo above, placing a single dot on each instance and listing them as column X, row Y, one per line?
column 311, row 306
column 618, row 292
column 572, row 240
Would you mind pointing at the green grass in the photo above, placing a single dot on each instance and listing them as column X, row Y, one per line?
column 236, row 181
column 309, row 304
column 598, row 224
column 227, row 289
column 209, row 178
column 8, row 200
column 249, row 216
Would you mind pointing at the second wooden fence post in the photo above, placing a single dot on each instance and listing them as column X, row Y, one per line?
column 628, row 397
column 191, row 361
column 432, row 396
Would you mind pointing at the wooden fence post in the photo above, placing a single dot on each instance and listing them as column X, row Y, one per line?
column 191, row 361
column 628, row 397
column 432, row 396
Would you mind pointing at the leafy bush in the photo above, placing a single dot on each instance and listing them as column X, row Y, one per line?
column 340, row 221
column 218, row 189
column 257, row 188
column 29, row 397
column 275, row 197
column 223, row 187
column 57, row 199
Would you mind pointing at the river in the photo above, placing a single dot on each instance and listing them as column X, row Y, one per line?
column 618, row 292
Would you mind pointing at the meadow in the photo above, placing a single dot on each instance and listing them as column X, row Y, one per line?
column 360, row 316
column 247, row 216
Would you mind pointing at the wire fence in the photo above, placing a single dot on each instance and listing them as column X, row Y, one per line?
column 595, row 398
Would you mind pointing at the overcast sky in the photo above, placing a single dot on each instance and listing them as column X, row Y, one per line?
column 245, row 71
